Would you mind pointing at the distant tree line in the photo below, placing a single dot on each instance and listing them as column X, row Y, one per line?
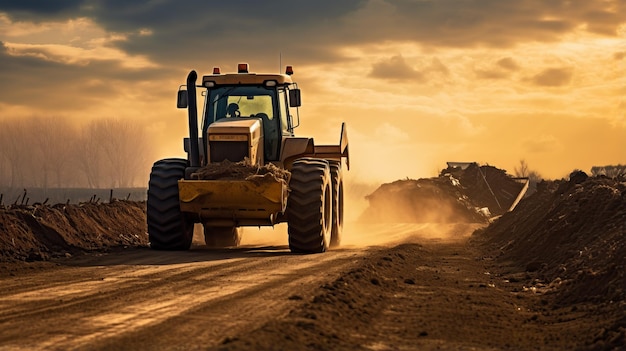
column 51, row 152
column 609, row 171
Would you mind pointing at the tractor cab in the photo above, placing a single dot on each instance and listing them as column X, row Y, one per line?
column 266, row 98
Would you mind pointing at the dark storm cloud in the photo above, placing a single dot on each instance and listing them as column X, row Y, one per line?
column 32, row 81
column 29, row 9
column 207, row 32
column 218, row 16
column 603, row 22
column 495, row 22
column 312, row 31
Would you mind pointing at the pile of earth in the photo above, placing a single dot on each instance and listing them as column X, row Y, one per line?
column 568, row 241
column 41, row 232
column 242, row 170
column 561, row 253
column 470, row 194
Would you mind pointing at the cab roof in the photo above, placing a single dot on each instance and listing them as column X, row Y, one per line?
column 246, row 78
column 243, row 77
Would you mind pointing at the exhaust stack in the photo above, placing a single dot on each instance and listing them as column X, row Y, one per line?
column 192, row 109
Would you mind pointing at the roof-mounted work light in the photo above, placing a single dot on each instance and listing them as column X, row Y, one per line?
column 242, row 68
column 289, row 70
column 207, row 82
column 216, row 70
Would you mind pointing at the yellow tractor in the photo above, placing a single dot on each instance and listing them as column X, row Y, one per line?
column 247, row 118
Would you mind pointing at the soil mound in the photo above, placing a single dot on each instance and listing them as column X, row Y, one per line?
column 242, row 170
column 570, row 240
column 36, row 233
column 462, row 194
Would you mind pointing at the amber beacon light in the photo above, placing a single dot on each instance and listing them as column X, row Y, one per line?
column 242, row 68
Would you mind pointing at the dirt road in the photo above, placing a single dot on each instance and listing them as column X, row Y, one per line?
column 370, row 295
column 143, row 299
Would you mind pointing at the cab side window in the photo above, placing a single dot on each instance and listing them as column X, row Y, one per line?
column 283, row 110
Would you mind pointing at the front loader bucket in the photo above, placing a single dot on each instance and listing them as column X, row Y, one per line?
column 234, row 202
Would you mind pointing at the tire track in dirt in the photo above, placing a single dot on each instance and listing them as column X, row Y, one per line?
column 91, row 306
column 108, row 283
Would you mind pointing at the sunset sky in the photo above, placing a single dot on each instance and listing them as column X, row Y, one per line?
column 418, row 82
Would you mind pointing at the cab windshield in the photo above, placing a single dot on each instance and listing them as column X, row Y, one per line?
column 229, row 102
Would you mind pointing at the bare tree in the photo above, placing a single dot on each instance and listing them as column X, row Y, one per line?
column 15, row 149
column 522, row 170
column 51, row 140
column 121, row 149
column 88, row 155
column 4, row 160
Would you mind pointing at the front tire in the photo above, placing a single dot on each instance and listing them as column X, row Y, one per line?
column 309, row 206
column 168, row 227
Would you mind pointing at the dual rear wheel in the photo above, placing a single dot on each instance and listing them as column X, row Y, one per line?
column 315, row 205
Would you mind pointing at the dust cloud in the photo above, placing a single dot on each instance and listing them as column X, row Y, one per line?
column 449, row 207
column 395, row 223
column 391, row 234
column 407, row 210
column 385, row 229
column 265, row 236
column 358, row 233
column 275, row 237
column 362, row 235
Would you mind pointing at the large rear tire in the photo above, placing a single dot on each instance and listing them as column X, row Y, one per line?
column 168, row 227
column 222, row 236
column 336, row 178
column 309, row 206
